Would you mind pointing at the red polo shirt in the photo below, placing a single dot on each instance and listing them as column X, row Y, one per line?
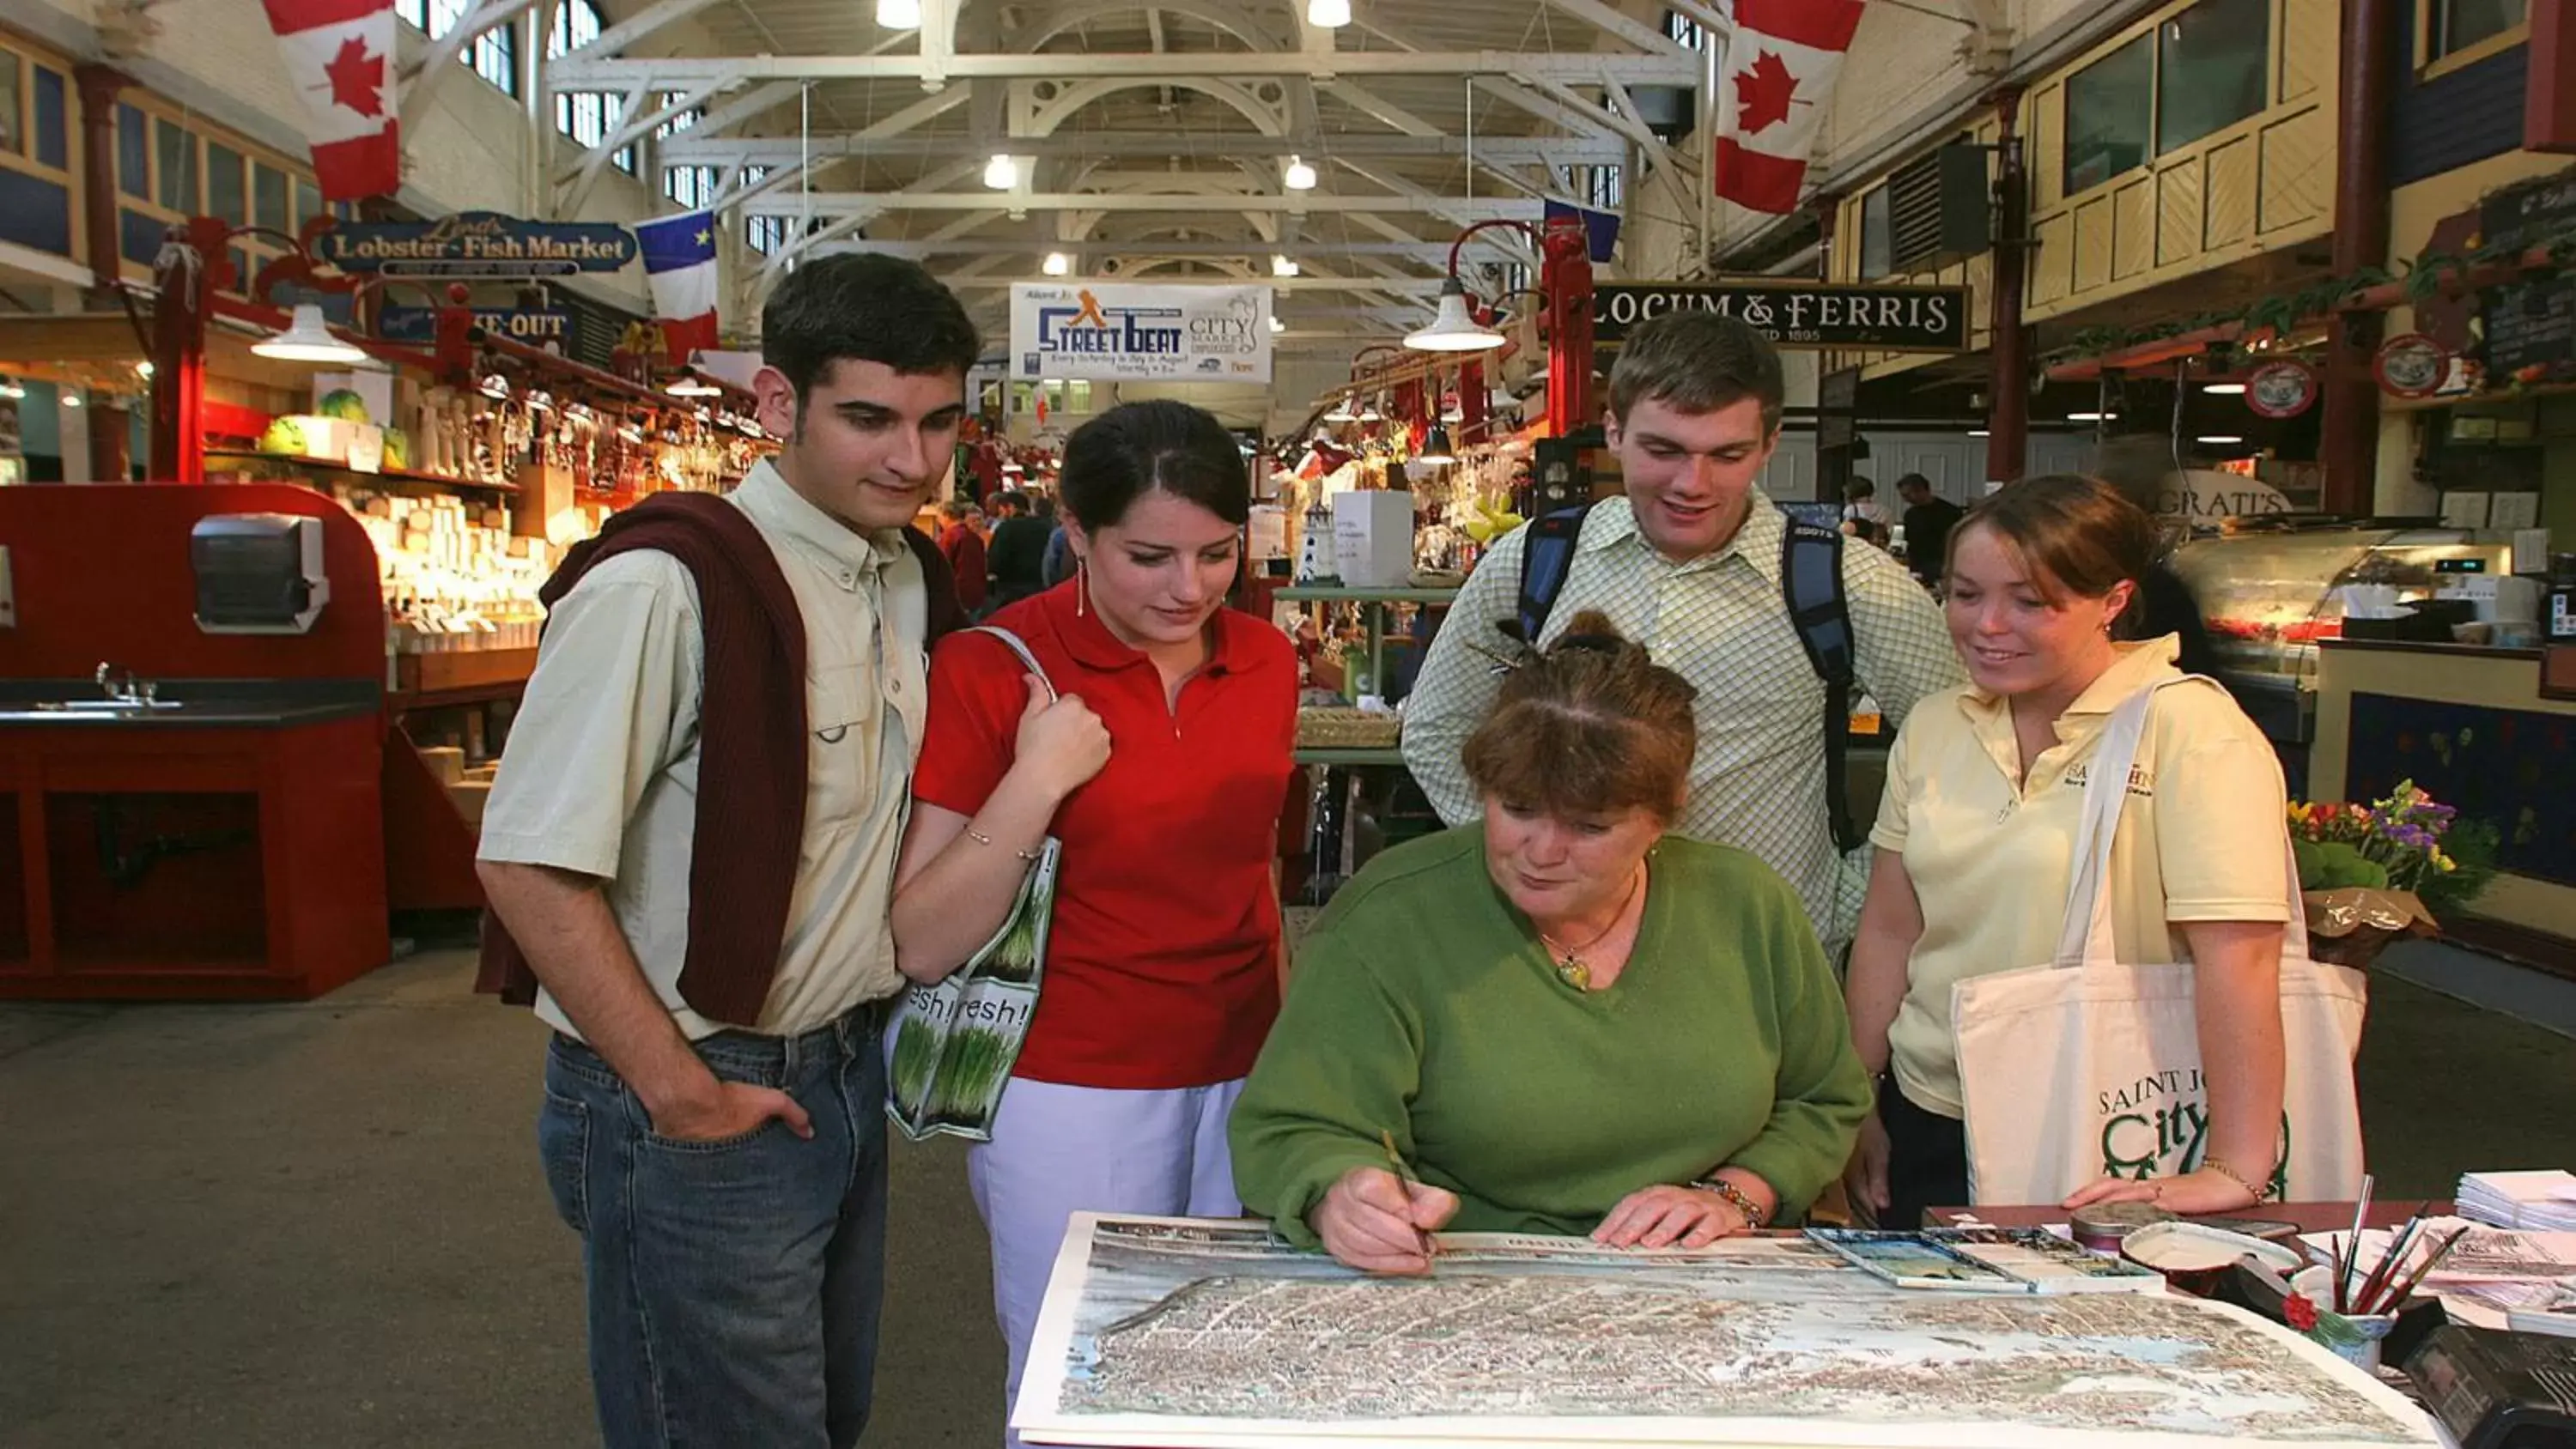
column 1162, row 966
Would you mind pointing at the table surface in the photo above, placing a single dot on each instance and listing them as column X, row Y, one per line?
column 2312, row 1217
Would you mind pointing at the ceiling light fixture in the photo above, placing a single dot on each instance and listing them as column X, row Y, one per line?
column 2220, row 439
column 2086, row 417
column 1436, row 449
column 1300, row 176
column 1277, row 326
column 1001, row 173
column 2223, row 389
column 1454, row 328
column 899, row 14
column 12, row 389
column 1280, row 266
column 72, row 399
column 1328, row 14
column 308, row 338
column 1057, row 264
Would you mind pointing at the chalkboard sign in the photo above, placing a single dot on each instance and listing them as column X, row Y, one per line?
column 2526, row 216
column 1837, row 399
column 2529, row 325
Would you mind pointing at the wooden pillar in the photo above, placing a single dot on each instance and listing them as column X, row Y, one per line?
column 99, row 87
column 2348, row 443
column 2008, row 345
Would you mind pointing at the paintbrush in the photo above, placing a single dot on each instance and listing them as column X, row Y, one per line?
column 2360, row 1214
column 2406, row 1287
column 1404, row 1174
column 2392, row 1259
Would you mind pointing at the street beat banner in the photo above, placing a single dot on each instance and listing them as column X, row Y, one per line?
column 1140, row 332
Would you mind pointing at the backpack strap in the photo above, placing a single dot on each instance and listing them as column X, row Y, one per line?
column 1547, row 556
column 1811, row 585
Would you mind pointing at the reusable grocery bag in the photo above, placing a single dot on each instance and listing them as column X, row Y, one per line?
column 955, row 1041
column 2086, row 1066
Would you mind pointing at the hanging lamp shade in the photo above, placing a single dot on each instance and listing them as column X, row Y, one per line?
column 1436, row 448
column 308, row 338
column 1328, row 14
column 1455, row 329
column 1340, row 411
column 899, row 14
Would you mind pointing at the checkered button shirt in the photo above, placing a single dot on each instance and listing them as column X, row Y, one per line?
column 1758, row 778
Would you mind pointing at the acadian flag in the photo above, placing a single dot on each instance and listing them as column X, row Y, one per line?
column 680, row 266
column 1781, row 63
column 339, row 58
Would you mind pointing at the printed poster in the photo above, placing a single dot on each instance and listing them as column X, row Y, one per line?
column 1140, row 332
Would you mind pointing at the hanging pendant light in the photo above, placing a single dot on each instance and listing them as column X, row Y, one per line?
column 1436, row 449
column 1001, row 173
column 308, row 338
column 1300, row 176
column 1454, row 329
column 1281, row 266
column 1340, row 411
column 1058, row 264
column 1328, row 14
column 899, row 14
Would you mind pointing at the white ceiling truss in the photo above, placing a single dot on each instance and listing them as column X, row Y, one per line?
column 1151, row 137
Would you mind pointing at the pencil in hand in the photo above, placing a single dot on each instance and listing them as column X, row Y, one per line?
column 1395, row 1160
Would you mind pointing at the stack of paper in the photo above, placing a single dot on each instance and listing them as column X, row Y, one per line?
column 2544, row 1200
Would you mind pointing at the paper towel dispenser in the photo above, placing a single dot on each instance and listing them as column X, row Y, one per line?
column 258, row 573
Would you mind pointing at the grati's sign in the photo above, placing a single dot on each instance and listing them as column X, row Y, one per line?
column 1797, row 314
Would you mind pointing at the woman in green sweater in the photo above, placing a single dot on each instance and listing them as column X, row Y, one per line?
column 1562, row 1019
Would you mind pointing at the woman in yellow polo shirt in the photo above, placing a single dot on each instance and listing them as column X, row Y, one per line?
column 1976, row 835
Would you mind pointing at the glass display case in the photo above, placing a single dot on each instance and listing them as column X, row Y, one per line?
column 2269, row 596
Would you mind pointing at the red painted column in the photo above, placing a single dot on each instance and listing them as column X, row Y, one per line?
column 2348, row 442
column 1565, row 277
column 2549, row 94
column 2008, row 346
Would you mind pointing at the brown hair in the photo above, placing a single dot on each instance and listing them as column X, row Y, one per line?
column 2075, row 535
column 1698, row 362
column 1594, row 725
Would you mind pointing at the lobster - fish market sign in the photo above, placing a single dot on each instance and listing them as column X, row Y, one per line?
column 1797, row 314
column 476, row 244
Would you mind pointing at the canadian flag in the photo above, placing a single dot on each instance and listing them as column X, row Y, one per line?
column 1780, row 75
column 339, row 57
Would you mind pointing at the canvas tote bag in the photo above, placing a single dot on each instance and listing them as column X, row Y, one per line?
column 2087, row 1066
column 955, row 1041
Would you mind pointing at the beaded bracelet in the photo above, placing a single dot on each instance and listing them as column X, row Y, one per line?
column 1736, row 1198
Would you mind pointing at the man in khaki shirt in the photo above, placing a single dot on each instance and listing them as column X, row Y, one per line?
column 727, row 1173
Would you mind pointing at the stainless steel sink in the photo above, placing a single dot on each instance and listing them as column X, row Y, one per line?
column 113, row 706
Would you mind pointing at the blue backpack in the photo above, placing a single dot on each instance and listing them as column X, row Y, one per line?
column 1811, row 587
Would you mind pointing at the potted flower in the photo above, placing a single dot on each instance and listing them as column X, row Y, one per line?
column 2395, row 867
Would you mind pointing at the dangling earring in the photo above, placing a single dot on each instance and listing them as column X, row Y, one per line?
column 1081, row 586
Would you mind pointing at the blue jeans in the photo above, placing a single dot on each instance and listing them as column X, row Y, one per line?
column 734, row 1284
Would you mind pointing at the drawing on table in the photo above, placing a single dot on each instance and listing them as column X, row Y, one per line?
column 1150, row 1340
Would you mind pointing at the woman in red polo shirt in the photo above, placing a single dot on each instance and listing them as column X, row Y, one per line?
column 1162, row 769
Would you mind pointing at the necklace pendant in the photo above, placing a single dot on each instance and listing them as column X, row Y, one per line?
column 1574, row 973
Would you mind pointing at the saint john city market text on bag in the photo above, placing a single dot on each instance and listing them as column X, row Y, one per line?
column 2085, row 1067
column 956, row 1039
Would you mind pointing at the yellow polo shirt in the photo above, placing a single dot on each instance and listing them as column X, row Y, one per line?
column 2204, row 838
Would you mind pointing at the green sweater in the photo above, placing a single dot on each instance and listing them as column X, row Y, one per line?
column 1423, row 1004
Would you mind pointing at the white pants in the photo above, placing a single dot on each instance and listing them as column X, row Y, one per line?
column 1060, row 1150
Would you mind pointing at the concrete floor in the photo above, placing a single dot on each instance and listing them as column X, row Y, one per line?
column 322, row 1224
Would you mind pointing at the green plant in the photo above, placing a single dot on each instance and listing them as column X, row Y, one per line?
column 916, row 1051
column 971, row 1076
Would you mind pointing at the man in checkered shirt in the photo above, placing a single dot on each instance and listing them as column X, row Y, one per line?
column 1689, row 563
